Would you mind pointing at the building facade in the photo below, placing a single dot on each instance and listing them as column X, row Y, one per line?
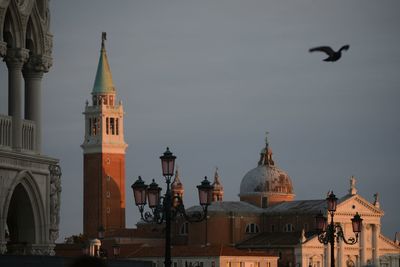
column 103, row 155
column 205, row 256
column 268, row 219
column 30, row 185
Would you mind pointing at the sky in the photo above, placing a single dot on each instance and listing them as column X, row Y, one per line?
column 208, row 79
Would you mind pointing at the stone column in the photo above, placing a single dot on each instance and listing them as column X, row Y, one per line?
column 33, row 74
column 340, row 254
column 3, row 242
column 327, row 256
column 376, row 229
column 15, row 59
column 363, row 245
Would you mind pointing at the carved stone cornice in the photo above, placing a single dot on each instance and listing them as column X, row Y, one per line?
column 38, row 63
column 16, row 57
column 3, row 49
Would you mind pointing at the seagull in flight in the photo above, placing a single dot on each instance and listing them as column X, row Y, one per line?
column 332, row 55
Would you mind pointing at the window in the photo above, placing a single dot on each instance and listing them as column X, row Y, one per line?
column 90, row 126
column 272, row 228
column 108, row 194
column 252, row 228
column 288, row 227
column 108, row 210
column 116, row 126
column 112, row 126
column 94, row 126
column 107, row 125
column 184, row 230
column 228, row 264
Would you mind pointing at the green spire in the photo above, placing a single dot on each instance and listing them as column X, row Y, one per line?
column 103, row 83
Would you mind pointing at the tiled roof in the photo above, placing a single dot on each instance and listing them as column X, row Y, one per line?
column 298, row 207
column 229, row 206
column 195, row 251
column 274, row 239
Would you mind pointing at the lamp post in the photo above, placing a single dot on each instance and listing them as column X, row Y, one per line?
column 161, row 206
column 327, row 233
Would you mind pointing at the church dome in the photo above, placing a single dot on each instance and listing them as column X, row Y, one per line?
column 266, row 180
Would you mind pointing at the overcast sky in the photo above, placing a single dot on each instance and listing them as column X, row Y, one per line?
column 208, row 78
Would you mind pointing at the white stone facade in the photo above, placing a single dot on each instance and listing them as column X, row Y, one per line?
column 30, row 185
column 372, row 248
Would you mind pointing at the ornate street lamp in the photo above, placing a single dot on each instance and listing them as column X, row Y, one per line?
column 168, row 164
column 161, row 209
column 327, row 234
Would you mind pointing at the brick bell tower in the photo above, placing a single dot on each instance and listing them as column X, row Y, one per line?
column 103, row 155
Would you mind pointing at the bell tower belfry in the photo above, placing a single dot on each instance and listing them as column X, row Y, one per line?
column 103, row 155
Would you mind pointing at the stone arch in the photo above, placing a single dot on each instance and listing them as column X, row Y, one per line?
column 17, row 24
column 27, row 189
column 9, row 30
column 34, row 34
column 3, row 8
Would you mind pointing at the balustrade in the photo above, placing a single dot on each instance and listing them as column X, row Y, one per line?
column 28, row 133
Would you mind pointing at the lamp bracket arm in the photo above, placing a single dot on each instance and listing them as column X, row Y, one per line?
column 323, row 238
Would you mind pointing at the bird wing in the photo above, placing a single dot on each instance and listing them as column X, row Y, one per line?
column 325, row 49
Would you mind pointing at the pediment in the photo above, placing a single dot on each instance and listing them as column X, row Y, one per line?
column 351, row 204
column 387, row 244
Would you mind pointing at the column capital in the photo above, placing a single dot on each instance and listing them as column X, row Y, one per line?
column 16, row 57
column 3, row 49
column 38, row 63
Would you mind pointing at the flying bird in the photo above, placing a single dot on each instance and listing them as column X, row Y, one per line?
column 332, row 55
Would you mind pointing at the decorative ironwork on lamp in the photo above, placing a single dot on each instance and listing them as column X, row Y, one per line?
column 161, row 208
column 328, row 233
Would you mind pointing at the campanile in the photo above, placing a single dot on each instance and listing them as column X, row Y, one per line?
column 103, row 155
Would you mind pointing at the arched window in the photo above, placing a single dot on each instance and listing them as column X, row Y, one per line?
column 252, row 228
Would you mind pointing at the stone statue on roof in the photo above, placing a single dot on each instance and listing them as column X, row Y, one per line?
column 353, row 189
